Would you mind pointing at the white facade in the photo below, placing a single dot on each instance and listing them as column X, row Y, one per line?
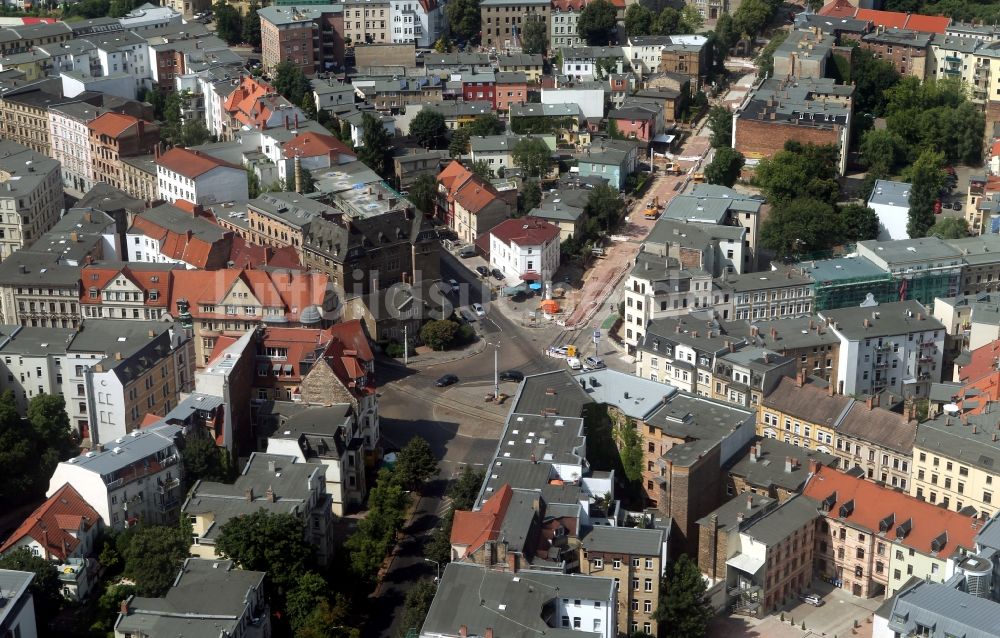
column 149, row 16
column 17, row 616
column 330, row 94
column 135, row 476
column 357, row 130
column 514, row 260
column 890, row 201
column 581, row 614
column 591, row 101
column 121, row 84
column 410, row 21
column 71, row 147
column 562, row 28
column 143, row 248
column 220, row 184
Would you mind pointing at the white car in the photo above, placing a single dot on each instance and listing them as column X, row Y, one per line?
column 453, row 284
column 573, row 363
column 813, row 600
column 479, row 310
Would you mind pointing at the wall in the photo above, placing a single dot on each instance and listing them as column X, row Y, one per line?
column 764, row 138
column 385, row 54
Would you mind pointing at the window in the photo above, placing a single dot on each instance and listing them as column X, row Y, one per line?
column 635, row 562
column 648, row 585
column 635, row 584
column 647, row 606
column 598, row 563
column 616, row 563
column 649, row 563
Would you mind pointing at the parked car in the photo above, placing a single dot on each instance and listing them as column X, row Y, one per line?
column 593, row 363
column 574, row 363
column 453, row 284
column 956, row 205
column 812, row 599
column 560, row 351
column 497, row 274
column 511, row 375
column 467, row 251
column 479, row 310
column 446, row 380
column 468, row 316
column 483, row 271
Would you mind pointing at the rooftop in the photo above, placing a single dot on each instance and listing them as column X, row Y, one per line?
column 794, row 333
column 884, row 320
column 556, row 393
column 624, row 540
column 842, row 268
column 966, row 439
column 950, row 611
column 765, row 465
column 784, row 520
column 897, row 253
column 636, row 397
column 132, row 448
column 890, row 193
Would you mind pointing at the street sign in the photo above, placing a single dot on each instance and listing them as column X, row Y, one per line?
column 597, row 336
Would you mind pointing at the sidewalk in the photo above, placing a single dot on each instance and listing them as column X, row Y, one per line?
column 426, row 358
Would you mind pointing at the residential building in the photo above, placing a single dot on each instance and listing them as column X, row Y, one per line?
column 407, row 168
column 904, row 48
column 710, row 247
column 149, row 16
column 958, row 607
column 849, row 281
column 810, row 110
column 564, row 208
column 981, row 267
column 468, row 204
column 114, row 136
column 891, row 202
column 332, row 95
column 17, row 617
column 676, row 351
column 277, row 219
column 417, row 21
column 563, row 31
column 953, row 463
column 525, row 249
column 867, row 533
column 802, row 413
column 807, row 340
column 895, row 347
column 565, row 121
column 638, row 122
column 804, row 54
column 503, row 21
column 613, row 160
column 138, row 478
column 178, row 233
column 511, row 88
column 531, row 64
column 139, row 177
column 774, row 469
column 37, row 289
column 24, row 113
column 270, row 482
column 367, row 22
column 31, row 196
column 777, row 294
column 636, row 560
column 312, row 37
column 479, row 87
column 254, row 104
column 686, row 55
column 877, row 441
column 199, row 178
column 237, row 605
column 924, row 268
column 582, row 63
column 747, row 375
column 70, row 140
column 126, row 290
column 496, row 150
column 63, row 530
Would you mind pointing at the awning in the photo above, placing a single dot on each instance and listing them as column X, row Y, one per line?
column 288, row 369
column 277, row 368
column 531, row 276
column 746, row 563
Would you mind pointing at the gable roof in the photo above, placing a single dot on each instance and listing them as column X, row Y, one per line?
column 191, row 164
column 472, row 529
column 466, row 188
column 526, row 231
column 112, row 124
column 55, row 522
column 310, row 144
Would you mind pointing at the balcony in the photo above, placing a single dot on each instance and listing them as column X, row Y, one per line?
column 168, row 504
column 168, row 485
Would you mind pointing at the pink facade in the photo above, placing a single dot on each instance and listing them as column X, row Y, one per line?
column 511, row 93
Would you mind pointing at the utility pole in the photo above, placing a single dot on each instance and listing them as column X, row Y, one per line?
column 406, row 346
column 496, row 373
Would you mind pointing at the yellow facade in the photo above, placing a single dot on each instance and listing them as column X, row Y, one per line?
column 772, row 423
column 939, row 479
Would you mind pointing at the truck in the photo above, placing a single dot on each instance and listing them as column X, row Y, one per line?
column 652, row 209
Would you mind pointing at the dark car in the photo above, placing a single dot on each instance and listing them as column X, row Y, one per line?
column 468, row 316
column 446, row 380
column 497, row 274
column 483, row 271
column 511, row 375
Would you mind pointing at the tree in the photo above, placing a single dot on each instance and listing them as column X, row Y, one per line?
column 926, row 180
column 630, row 448
column 330, row 621
column 857, row 223
column 532, row 155
column 415, row 463
column 691, row 19
column 308, row 106
column 418, row 603
column 27, row 460
column 267, row 542
column 683, row 610
column 486, row 124
column 666, row 22
column 873, row 78
column 203, row 460
column 194, row 132
column 463, row 19
column 459, row 144
column 376, row 533
column 726, row 37
column 725, row 167
column 481, row 169
column 153, row 554
column 443, row 44
column 47, row 416
column 309, row 591
column 439, row 334
column 423, row 192
column 765, row 59
column 171, row 128
column 604, row 206
column 881, row 151
column 720, row 122
column 530, row 197
column 428, row 128
column 598, row 23
column 44, row 588
column 228, row 24
column 290, row 82
column 797, row 226
column 800, row 170
column 465, row 490
column 251, row 25
column 951, row 228
column 638, row 20
column 119, row 8
column 375, row 144
column 535, row 36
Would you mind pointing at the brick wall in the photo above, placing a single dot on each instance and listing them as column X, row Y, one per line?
column 690, row 493
column 767, row 137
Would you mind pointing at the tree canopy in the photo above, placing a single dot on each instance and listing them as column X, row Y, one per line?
column 486, row 124
column 376, row 533
column 417, row 604
column 31, row 448
column 251, row 25
column 720, row 122
column 926, row 179
column 428, row 128
column 535, row 36
column 415, row 463
column 375, row 144
column 765, row 59
column 228, row 23
column 153, row 554
column 725, row 167
column 800, row 170
column 529, row 197
column 935, row 115
column 423, row 191
column 459, row 144
column 533, row 156
column 267, row 542
column 290, row 82
column 463, row 19
column 598, row 23
column 873, row 78
column 684, row 609
column 605, row 207
column 204, row 460
column 951, row 228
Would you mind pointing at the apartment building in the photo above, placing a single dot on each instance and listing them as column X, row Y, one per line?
column 636, row 560
column 531, row 64
column 925, row 268
column 802, row 413
column 70, row 139
column 273, row 482
column 747, row 375
column 774, row 469
column 892, row 347
column 774, row 294
column 199, row 178
column 311, row 36
column 904, row 48
column 31, row 196
column 525, row 249
column 114, row 136
column 24, row 113
column 139, row 177
column 136, row 477
column 806, row 340
column 504, row 20
column 682, row 352
column 563, row 31
column 469, row 205
column 125, row 291
column 367, row 22
column 417, row 21
column 708, row 246
column 181, row 234
column 877, row 441
column 953, row 463
column 981, row 266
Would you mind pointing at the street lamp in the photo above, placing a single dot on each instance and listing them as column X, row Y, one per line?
column 428, row 560
column 496, row 369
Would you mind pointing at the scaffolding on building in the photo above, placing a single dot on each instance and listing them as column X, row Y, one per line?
column 923, row 286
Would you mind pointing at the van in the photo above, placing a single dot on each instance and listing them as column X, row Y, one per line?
column 573, row 363
column 467, row 251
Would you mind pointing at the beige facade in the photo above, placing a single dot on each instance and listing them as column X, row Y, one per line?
column 636, row 571
column 139, row 177
column 367, row 22
column 31, row 196
column 503, row 21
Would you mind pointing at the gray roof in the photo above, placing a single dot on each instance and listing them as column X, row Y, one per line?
column 662, row 333
column 290, row 208
column 208, row 599
column 624, row 540
column 968, row 439
column 175, row 220
column 27, row 169
column 884, row 320
column 31, row 341
column 711, row 205
column 887, row 192
column 566, row 204
column 519, row 474
column 841, row 268
column 949, row 611
column 495, row 143
column 691, row 234
column 456, row 59
column 634, row 396
column 899, row 37
column 13, row 585
column 830, row 24
column 134, row 447
column 588, row 53
column 899, row 252
column 764, row 280
column 106, row 197
column 980, row 250
column 556, row 391
column 29, row 268
column 553, row 439
column 652, row 267
column 783, row 521
column 756, row 357
column 989, row 535
column 750, row 505
column 545, row 110
column 691, row 417
column 800, row 100
column 768, row 469
column 289, row 14
column 520, row 59
column 513, row 605
column 793, row 333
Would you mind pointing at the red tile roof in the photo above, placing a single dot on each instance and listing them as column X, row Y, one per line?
column 112, row 124
column 927, row 24
column 472, row 529
column 312, row 144
column 525, row 231
column 995, row 148
column 873, row 503
column 55, row 522
column 466, row 188
column 887, row 19
column 568, row 5
column 191, row 164
column 244, row 254
column 981, row 379
column 147, row 280
column 292, row 291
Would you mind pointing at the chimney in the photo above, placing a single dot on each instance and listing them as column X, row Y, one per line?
column 489, row 632
column 269, row 495
column 829, row 388
column 118, row 356
column 788, row 465
column 774, row 334
column 739, row 518
column 814, row 466
column 868, row 323
column 870, row 402
column 248, row 494
column 286, row 123
column 750, row 501
column 754, row 453
column 463, row 631
column 271, row 467
column 123, row 607
column 800, row 379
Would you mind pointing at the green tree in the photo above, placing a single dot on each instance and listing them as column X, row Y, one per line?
column 417, row 604
column 482, row 170
column 765, row 59
column 267, row 542
column 604, row 206
column 415, row 463
column 423, row 192
column 459, row 144
column 290, row 82
column 108, row 605
column 638, row 20
column 463, row 19
column 375, row 144
column 194, row 133
column 308, row 105
column 856, row 223
column 253, row 184
column 44, row 588
column 533, row 156
column 630, row 448
column 725, row 167
column 153, row 555
column 684, row 609
column 926, row 180
column 439, row 334
column 443, row 44
column 309, row 591
column 251, row 25
column 666, row 22
column 720, row 122
column 530, row 197
column 27, row 457
column 881, row 151
column 725, row 39
column 598, row 23
column 228, row 24
column 119, row 8
column 376, row 533
column 873, row 78
column 797, row 226
column 951, row 228
column 47, row 416
column 428, row 128
column 330, row 621
column 465, row 490
column 535, row 36
column 171, row 128
column 203, row 460
column 800, row 170
column 691, row 19
column 486, row 124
